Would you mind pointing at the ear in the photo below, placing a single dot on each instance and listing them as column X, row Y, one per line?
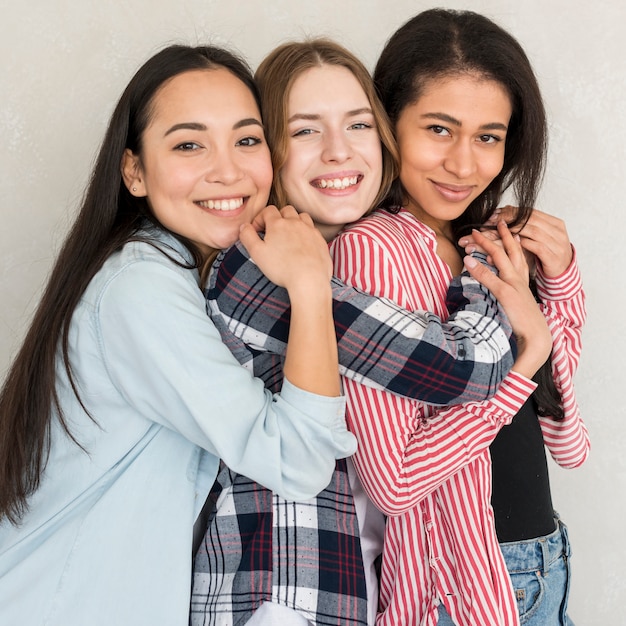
column 131, row 173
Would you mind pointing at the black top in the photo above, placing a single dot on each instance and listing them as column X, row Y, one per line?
column 521, row 486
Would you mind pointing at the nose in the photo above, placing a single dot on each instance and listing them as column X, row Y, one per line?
column 223, row 167
column 337, row 147
column 460, row 159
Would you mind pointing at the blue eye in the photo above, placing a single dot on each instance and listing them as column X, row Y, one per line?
column 303, row 132
column 360, row 126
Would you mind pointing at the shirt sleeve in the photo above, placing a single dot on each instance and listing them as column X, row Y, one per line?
column 407, row 449
column 406, row 452
column 166, row 359
column 413, row 354
column 563, row 304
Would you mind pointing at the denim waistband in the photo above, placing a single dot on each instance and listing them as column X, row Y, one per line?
column 537, row 554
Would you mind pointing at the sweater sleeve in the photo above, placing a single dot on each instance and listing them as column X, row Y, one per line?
column 414, row 354
column 563, row 304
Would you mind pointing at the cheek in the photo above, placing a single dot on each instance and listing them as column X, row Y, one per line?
column 375, row 159
column 294, row 171
column 262, row 174
column 493, row 166
column 416, row 156
column 266, row 180
column 171, row 179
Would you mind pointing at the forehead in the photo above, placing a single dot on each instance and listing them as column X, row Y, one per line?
column 202, row 92
column 465, row 94
column 325, row 83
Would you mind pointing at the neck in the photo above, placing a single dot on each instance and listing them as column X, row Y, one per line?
column 329, row 231
column 441, row 228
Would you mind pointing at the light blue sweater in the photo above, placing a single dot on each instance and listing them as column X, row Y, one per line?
column 108, row 537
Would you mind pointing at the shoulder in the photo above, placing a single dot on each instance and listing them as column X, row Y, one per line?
column 384, row 227
column 143, row 272
column 384, row 232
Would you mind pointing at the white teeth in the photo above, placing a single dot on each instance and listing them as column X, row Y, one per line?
column 229, row 204
column 337, row 183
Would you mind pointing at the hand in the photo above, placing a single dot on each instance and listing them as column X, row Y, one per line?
column 511, row 290
column 546, row 237
column 543, row 237
column 293, row 253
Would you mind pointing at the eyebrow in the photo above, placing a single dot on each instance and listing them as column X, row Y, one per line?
column 316, row 116
column 248, row 121
column 444, row 117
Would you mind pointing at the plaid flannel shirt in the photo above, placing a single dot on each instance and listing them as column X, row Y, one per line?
column 306, row 556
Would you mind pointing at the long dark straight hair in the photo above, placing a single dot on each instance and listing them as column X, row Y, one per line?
column 109, row 217
column 441, row 43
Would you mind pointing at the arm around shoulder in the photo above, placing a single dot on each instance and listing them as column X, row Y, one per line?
column 166, row 360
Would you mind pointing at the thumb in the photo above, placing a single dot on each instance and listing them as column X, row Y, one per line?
column 249, row 238
column 481, row 273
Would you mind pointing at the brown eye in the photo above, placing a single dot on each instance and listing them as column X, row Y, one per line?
column 249, row 141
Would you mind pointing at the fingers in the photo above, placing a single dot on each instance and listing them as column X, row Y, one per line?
column 507, row 255
column 271, row 213
column 546, row 237
column 249, row 237
column 482, row 274
column 258, row 223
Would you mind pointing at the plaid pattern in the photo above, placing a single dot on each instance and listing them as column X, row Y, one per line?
column 260, row 547
column 306, row 556
column 412, row 354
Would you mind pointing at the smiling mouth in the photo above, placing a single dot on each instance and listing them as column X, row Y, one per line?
column 224, row 204
column 336, row 183
column 454, row 193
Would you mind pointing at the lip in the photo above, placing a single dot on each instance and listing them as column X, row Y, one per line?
column 223, row 206
column 453, row 193
column 338, row 183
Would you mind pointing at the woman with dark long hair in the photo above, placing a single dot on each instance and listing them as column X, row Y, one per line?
column 470, row 124
column 123, row 398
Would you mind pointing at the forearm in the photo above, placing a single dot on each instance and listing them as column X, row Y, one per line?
column 311, row 355
column 403, row 457
column 563, row 303
column 379, row 343
column 566, row 439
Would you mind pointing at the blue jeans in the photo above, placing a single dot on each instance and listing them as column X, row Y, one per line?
column 540, row 573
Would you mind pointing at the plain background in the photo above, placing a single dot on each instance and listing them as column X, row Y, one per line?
column 64, row 64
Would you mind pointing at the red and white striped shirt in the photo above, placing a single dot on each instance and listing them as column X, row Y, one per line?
column 432, row 477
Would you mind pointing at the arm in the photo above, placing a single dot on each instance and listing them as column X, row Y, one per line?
column 151, row 318
column 563, row 304
column 406, row 450
column 380, row 344
column 559, row 287
column 294, row 255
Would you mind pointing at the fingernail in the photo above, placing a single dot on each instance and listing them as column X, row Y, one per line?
column 463, row 242
column 470, row 262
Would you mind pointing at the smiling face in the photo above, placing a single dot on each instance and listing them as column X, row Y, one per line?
column 334, row 160
column 451, row 143
column 204, row 165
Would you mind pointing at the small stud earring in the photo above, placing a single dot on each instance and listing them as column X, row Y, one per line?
column 134, row 188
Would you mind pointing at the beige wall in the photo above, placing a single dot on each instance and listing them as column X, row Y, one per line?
column 64, row 63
